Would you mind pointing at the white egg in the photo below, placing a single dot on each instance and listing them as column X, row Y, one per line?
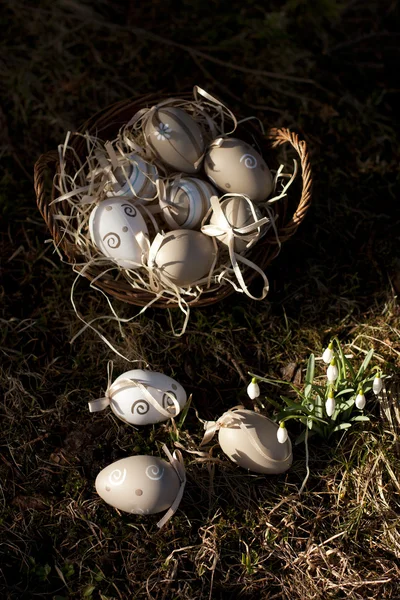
column 119, row 231
column 186, row 202
column 138, row 180
column 130, row 405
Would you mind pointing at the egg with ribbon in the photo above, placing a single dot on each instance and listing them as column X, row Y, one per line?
column 174, row 138
column 119, row 231
column 134, row 178
column 181, row 257
column 142, row 397
column 143, row 485
column 186, row 202
column 238, row 216
column 250, row 440
column 234, row 166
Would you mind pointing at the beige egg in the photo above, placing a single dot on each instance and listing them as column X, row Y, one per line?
column 175, row 139
column 243, row 445
column 186, row 202
column 184, row 257
column 235, row 166
column 238, row 213
column 139, row 484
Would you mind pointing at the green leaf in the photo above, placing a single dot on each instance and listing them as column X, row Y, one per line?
column 88, row 591
column 365, row 364
column 309, row 375
column 346, row 391
column 341, row 426
column 360, row 418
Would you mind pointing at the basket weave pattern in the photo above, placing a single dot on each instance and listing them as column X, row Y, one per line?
column 106, row 125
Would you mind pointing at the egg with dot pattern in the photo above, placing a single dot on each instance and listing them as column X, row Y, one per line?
column 175, row 139
column 130, row 406
column 234, row 166
column 118, row 230
column 254, row 446
column 140, row 485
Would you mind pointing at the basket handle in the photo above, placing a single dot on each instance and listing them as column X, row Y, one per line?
column 46, row 162
column 280, row 137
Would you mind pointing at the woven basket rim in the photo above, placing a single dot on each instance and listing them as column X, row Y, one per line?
column 265, row 250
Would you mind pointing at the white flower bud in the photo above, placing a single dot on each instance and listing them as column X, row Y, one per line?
column 282, row 433
column 253, row 389
column 377, row 385
column 332, row 372
column 328, row 354
column 360, row 400
column 330, row 404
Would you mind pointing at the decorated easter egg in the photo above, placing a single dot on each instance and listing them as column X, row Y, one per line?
column 182, row 256
column 254, row 445
column 175, row 138
column 235, row 166
column 250, row 440
column 143, row 397
column 119, row 231
column 186, row 202
column 134, row 178
column 142, row 485
column 239, row 212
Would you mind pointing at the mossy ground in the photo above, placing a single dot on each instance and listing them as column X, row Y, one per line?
column 236, row 535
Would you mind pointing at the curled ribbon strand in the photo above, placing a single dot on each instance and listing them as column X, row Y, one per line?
column 224, row 227
column 177, row 463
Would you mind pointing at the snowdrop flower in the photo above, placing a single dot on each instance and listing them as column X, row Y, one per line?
column 360, row 400
column 282, row 433
column 332, row 372
column 253, row 389
column 377, row 385
column 330, row 404
column 328, row 354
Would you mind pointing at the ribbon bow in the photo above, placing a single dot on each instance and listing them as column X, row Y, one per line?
column 177, row 463
column 249, row 233
column 102, row 403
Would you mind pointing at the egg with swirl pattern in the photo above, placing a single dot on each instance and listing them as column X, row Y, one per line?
column 236, row 167
column 140, row 485
column 119, row 231
column 143, row 397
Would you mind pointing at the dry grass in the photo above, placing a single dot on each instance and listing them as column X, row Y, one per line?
column 236, row 535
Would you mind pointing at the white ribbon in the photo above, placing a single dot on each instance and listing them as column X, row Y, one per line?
column 224, row 227
column 177, row 463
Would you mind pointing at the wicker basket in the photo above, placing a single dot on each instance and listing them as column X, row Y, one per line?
column 106, row 124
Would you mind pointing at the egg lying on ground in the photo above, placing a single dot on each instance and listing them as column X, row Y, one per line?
column 182, row 257
column 239, row 212
column 141, row 485
column 250, row 440
column 134, row 178
column 119, row 231
column 234, row 166
column 186, row 202
column 143, row 397
column 175, row 138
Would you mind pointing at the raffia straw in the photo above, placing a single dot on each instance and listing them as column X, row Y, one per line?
column 83, row 183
